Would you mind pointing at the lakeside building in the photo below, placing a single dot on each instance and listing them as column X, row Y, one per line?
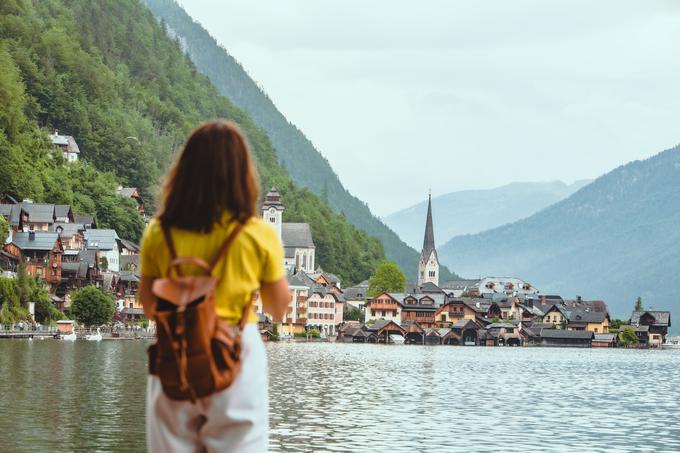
column 298, row 245
column 67, row 252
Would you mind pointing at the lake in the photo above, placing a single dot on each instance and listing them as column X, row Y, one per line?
column 60, row 396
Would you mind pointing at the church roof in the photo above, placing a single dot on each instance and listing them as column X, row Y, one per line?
column 428, row 241
column 296, row 235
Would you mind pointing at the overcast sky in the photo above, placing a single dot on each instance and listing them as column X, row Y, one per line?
column 403, row 96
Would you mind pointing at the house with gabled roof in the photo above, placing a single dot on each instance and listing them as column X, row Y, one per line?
column 133, row 193
column 108, row 244
column 66, row 144
column 657, row 323
column 40, row 252
column 383, row 306
column 419, row 308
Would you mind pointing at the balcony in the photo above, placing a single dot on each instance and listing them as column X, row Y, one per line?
column 384, row 306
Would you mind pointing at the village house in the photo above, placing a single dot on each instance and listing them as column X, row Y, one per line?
column 295, row 319
column 107, row 242
column 78, row 271
column 40, row 252
column 133, row 193
column 71, row 235
column 653, row 326
column 453, row 311
column 323, row 312
column 67, row 145
column 127, row 292
column 383, row 306
column 416, row 309
column 355, row 296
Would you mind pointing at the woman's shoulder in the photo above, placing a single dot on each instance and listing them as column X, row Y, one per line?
column 152, row 233
column 262, row 232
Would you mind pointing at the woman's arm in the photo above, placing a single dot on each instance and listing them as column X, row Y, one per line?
column 275, row 298
column 147, row 297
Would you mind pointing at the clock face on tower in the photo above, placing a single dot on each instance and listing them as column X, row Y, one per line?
column 272, row 210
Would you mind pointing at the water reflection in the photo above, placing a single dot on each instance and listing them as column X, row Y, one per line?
column 372, row 398
column 86, row 396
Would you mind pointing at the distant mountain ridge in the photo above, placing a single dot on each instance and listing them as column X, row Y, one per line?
column 473, row 211
column 297, row 154
column 617, row 238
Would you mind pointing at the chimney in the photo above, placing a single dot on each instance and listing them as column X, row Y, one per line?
column 31, row 235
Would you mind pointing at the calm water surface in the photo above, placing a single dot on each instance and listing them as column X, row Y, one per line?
column 59, row 396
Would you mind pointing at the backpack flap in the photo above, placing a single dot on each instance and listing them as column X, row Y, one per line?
column 181, row 291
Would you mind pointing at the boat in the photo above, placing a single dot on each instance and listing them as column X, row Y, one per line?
column 95, row 337
column 671, row 343
column 396, row 339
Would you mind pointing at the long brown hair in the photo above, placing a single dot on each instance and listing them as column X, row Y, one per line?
column 213, row 174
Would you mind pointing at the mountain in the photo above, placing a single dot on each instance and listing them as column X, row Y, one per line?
column 473, row 211
column 617, row 238
column 106, row 73
column 307, row 167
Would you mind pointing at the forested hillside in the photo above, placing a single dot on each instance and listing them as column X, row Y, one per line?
column 106, row 73
column 617, row 238
column 305, row 164
column 473, row 211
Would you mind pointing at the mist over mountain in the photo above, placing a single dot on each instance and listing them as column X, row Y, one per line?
column 617, row 238
column 305, row 164
column 473, row 211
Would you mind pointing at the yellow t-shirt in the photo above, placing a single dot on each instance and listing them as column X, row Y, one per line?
column 255, row 256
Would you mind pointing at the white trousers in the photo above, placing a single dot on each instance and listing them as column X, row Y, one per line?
column 233, row 420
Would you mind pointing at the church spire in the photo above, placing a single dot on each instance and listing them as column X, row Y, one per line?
column 428, row 241
column 428, row 267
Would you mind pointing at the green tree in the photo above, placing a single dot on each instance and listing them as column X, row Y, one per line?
column 4, row 230
column 387, row 277
column 616, row 324
column 351, row 313
column 627, row 337
column 638, row 304
column 92, row 307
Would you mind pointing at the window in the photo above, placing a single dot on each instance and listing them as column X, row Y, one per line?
column 272, row 219
column 372, row 312
column 130, row 304
column 443, row 317
column 383, row 312
column 432, row 273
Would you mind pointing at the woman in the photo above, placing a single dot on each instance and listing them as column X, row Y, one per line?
column 211, row 188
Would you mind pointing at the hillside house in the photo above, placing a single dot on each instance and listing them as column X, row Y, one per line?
column 40, row 252
column 107, row 242
column 67, row 145
column 133, row 193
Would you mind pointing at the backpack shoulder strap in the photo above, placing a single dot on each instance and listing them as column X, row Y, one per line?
column 225, row 245
column 171, row 248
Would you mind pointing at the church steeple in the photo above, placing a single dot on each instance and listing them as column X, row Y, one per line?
column 428, row 267
column 428, row 241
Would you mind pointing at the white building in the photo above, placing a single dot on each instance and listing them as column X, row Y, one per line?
column 67, row 145
column 298, row 244
column 107, row 241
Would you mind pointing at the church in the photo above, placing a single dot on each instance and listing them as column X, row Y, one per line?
column 298, row 245
column 428, row 266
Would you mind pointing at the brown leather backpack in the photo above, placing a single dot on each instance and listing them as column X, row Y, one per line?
column 196, row 353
